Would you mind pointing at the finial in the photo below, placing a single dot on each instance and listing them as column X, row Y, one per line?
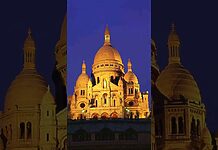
column 83, row 67
column 29, row 31
column 173, row 27
column 29, row 37
column 48, row 88
column 29, row 48
column 129, row 65
column 173, row 45
column 107, row 32
column 107, row 36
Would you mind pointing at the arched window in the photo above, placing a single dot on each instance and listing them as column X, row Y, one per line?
column 47, row 137
column 98, row 79
column 22, row 130
column 96, row 103
column 114, row 115
column 181, row 125
column 173, row 125
column 105, row 98
column 95, row 116
column 104, row 83
column 193, row 127
column 114, row 103
column 6, row 131
column 105, row 134
column 10, row 129
column 81, row 135
column 104, row 116
column 160, row 128
column 82, row 92
column 29, row 130
column 47, row 113
column 198, row 128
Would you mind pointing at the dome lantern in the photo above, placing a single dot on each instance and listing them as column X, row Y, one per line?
column 83, row 78
column 29, row 52
column 173, row 46
column 130, row 76
column 129, row 65
column 83, row 67
column 107, row 36
column 28, row 88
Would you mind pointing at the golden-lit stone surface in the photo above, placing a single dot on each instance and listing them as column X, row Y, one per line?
column 176, row 81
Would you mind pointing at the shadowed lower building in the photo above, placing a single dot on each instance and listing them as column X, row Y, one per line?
column 29, row 120
column 108, row 107
column 114, row 134
column 178, row 111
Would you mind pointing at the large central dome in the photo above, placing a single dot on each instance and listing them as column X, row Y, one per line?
column 107, row 52
column 28, row 88
column 176, row 82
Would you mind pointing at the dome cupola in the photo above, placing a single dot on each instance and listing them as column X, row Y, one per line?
column 107, row 55
column 83, row 78
column 175, row 81
column 29, row 86
column 130, row 76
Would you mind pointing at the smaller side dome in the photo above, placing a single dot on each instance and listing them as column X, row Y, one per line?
column 206, row 136
column 130, row 76
column 83, row 78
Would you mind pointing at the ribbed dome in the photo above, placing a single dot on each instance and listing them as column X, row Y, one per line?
column 27, row 89
column 130, row 77
column 175, row 81
column 206, row 136
column 107, row 53
column 82, row 80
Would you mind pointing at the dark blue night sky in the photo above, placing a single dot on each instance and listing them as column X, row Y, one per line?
column 45, row 18
column 129, row 23
column 196, row 23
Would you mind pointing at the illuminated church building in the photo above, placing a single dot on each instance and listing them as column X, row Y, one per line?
column 107, row 110
column 110, row 92
column 30, row 119
column 178, row 111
